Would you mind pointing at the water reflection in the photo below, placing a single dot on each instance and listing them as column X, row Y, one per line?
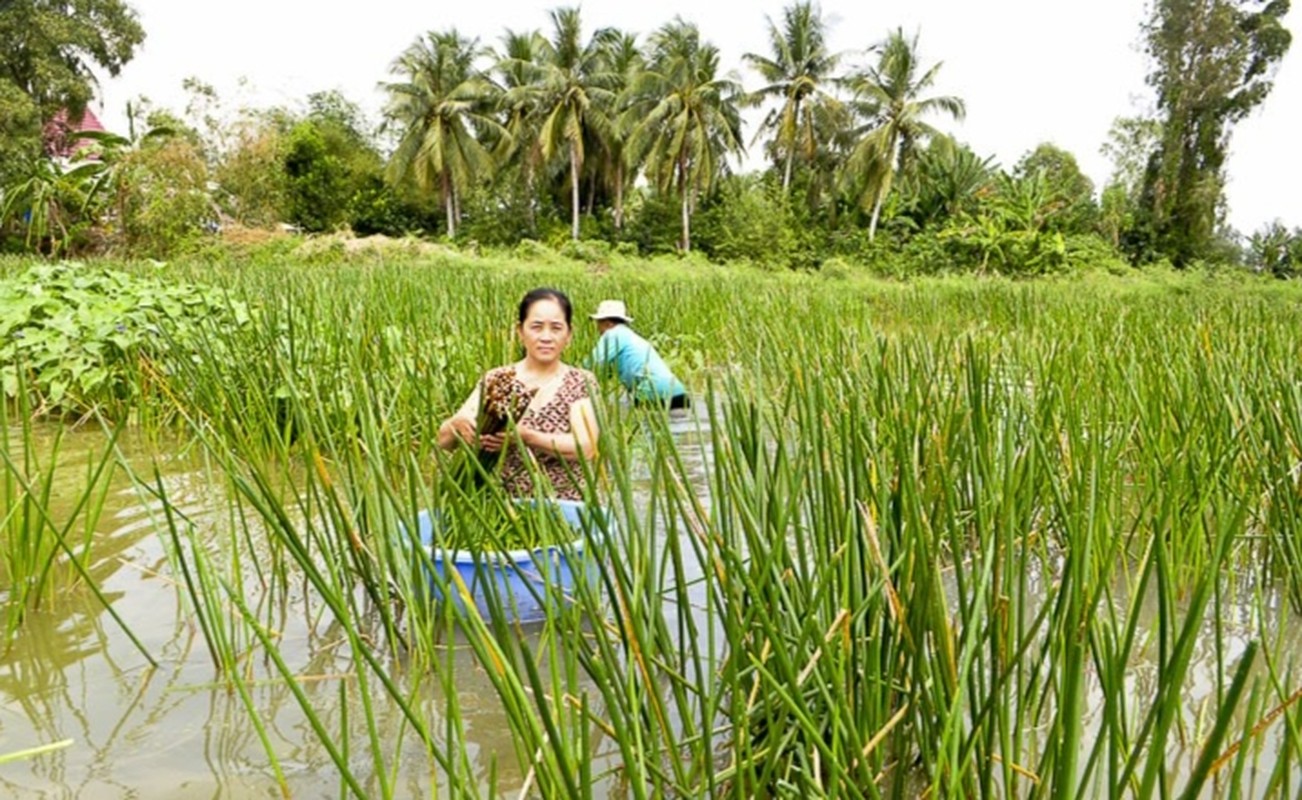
column 71, row 672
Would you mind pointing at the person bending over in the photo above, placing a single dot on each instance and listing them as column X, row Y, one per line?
column 640, row 368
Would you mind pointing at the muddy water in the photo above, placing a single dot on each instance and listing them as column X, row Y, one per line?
column 173, row 730
column 72, row 674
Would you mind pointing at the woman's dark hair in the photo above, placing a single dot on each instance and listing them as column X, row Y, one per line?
column 543, row 293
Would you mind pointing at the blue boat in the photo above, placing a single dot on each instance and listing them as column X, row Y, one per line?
column 526, row 583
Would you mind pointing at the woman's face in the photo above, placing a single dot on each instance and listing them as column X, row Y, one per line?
column 544, row 332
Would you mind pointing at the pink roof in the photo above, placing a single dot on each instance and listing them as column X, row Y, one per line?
column 58, row 133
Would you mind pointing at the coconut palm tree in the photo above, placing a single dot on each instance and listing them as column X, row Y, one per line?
column 576, row 91
column 892, row 93
column 517, row 69
column 690, row 118
column 441, row 105
column 832, row 122
column 624, row 61
column 800, row 70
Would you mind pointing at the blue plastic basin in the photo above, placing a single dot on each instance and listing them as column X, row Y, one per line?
column 515, row 575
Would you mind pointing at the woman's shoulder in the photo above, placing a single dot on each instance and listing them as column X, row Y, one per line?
column 583, row 376
column 581, row 382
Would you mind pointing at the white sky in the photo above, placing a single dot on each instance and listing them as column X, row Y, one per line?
column 1030, row 71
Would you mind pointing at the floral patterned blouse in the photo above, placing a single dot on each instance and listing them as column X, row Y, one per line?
column 551, row 417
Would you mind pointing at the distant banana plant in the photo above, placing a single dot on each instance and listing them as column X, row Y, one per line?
column 1275, row 250
column 49, row 204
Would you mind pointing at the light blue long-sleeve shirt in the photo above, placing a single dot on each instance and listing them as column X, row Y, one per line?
column 640, row 367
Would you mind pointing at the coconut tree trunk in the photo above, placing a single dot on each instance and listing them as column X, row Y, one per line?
column 877, row 210
column 446, row 187
column 791, row 149
column 882, row 187
column 531, row 215
column 619, row 196
column 574, row 190
column 686, row 244
column 687, row 222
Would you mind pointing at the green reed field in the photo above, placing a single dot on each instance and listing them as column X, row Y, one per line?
column 954, row 538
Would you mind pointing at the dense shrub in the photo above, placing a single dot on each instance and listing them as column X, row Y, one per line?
column 1276, row 251
column 252, row 187
column 1092, row 252
column 504, row 213
column 590, row 251
column 530, row 249
column 378, row 208
column 317, row 180
column 652, row 222
column 78, row 338
column 746, row 220
column 985, row 244
column 162, row 202
column 836, row 269
column 557, row 233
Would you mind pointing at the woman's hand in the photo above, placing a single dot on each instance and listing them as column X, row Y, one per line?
column 464, row 429
column 581, row 443
column 456, row 429
column 492, row 442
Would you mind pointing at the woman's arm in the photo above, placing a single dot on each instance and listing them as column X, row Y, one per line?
column 460, row 426
column 582, row 440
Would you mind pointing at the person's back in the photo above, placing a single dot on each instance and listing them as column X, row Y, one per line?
column 635, row 360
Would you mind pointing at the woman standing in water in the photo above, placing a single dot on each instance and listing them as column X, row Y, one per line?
column 547, row 399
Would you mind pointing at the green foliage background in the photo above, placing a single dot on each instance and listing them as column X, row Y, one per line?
column 628, row 138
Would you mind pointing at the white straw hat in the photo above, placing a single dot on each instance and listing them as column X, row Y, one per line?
column 612, row 309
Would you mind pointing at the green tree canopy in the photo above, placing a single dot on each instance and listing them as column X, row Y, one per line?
column 329, row 159
column 48, row 48
column 1071, row 192
column 47, row 52
column 1213, row 63
column 20, row 129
